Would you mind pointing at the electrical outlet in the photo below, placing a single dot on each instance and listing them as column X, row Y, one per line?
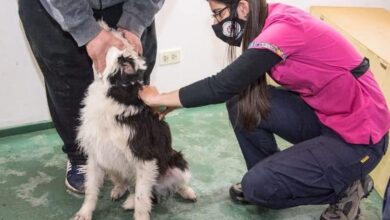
column 169, row 57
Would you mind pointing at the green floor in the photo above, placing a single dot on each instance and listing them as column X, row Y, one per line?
column 32, row 169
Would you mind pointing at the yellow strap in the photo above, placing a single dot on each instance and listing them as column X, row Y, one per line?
column 365, row 159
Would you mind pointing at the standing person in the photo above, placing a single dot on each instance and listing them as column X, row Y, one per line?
column 66, row 39
column 331, row 108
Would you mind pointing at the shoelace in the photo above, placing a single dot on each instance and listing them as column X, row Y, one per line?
column 334, row 208
column 337, row 207
column 81, row 169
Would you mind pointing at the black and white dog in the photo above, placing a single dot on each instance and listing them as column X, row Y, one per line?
column 125, row 139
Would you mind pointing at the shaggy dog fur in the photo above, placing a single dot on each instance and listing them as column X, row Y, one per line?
column 125, row 139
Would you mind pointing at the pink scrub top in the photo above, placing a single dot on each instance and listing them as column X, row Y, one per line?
column 317, row 64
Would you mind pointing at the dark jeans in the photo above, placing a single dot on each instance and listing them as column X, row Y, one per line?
column 315, row 170
column 386, row 203
column 66, row 68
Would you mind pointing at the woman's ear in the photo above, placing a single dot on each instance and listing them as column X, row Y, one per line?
column 243, row 9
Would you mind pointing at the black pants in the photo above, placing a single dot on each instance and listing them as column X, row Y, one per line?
column 386, row 203
column 315, row 170
column 66, row 68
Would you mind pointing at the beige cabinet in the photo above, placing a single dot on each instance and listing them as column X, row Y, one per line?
column 368, row 29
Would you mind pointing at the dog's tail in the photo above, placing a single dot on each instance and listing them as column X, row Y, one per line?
column 177, row 160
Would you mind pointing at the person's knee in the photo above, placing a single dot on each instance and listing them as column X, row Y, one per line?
column 260, row 188
column 255, row 187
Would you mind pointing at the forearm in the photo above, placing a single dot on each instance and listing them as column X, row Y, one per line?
column 75, row 17
column 139, row 14
column 249, row 67
column 170, row 99
column 219, row 88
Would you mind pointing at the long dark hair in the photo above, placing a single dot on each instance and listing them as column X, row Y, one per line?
column 253, row 102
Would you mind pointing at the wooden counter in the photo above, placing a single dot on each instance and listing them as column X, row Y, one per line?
column 368, row 29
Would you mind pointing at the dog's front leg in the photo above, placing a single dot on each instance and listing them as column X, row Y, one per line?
column 94, row 180
column 146, row 176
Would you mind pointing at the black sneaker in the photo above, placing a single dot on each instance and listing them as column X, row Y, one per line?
column 237, row 195
column 75, row 177
column 347, row 208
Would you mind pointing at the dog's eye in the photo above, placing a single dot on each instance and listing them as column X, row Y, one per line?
column 128, row 68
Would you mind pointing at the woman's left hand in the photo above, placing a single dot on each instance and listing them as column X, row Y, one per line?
column 149, row 94
column 163, row 113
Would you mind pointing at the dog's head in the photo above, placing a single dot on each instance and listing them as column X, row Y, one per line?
column 125, row 80
column 124, row 74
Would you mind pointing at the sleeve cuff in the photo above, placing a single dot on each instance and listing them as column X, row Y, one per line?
column 183, row 96
column 132, row 24
column 85, row 31
column 196, row 95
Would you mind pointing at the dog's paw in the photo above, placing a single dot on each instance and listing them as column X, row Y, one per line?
column 82, row 216
column 129, row 203
column 187, row 193
column 141, row 215
column 118, row 191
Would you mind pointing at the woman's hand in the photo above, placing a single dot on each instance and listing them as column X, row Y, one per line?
column 153, row 98
column 164, row 112
column 149, row 94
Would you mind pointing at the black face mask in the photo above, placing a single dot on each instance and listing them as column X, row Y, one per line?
column 230, row 29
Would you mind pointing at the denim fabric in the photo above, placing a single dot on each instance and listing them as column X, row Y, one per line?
column 386, row 204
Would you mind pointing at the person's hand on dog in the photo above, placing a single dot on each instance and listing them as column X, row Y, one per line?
column 153, row 98
column 97, row 48
column 149, row 94
column 133, row 39
column 164, row 111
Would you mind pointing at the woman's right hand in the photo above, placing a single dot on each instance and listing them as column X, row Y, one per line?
column 153, row 98
column 149, row 95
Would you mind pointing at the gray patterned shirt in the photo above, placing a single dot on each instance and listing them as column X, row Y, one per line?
column 76, row 16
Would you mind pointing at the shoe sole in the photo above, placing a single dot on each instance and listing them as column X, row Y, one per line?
column 369, row 184
column 72, row 189
column 238, row 199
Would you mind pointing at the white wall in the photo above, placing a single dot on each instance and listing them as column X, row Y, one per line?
column 181, row 24
column 22, row 97
column 187, row 25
